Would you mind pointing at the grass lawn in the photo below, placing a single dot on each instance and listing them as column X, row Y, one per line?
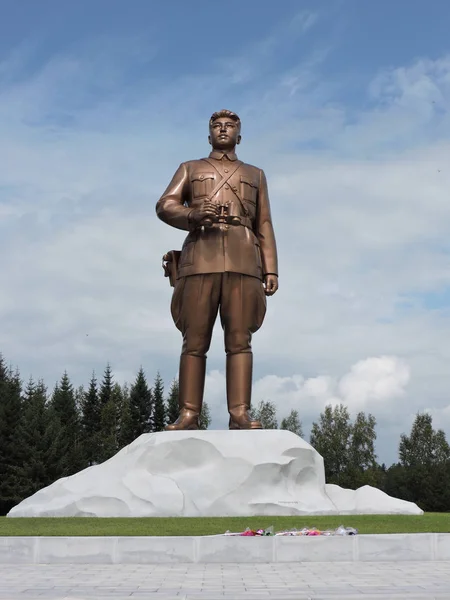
column 427, row 523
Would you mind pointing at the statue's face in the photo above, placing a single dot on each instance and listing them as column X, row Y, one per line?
column 224, row 134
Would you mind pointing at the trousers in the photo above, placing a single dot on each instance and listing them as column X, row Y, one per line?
column 197, row 299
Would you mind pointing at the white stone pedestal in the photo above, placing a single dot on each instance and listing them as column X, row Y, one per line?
column 208, row 474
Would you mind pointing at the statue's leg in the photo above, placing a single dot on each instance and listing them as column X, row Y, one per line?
column 242, row 311
column 194, row 309
column 191, row 380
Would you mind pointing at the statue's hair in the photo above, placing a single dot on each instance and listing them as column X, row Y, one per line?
column 227, row 114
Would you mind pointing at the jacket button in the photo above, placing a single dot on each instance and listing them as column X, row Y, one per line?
column 201, row 176
column 226, row 186
column 226, row 170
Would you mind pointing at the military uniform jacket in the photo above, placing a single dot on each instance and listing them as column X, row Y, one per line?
column 249, row 248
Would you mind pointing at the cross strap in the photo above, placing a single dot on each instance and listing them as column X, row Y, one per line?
column 224, row 179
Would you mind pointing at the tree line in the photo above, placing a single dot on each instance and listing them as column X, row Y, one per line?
column 421, row 473
column 46, row 435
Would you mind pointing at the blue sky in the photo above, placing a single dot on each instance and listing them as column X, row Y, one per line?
column 187, row 37
column 344, row 105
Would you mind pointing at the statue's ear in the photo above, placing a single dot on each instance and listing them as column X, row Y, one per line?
column 209, row 139
column 238, row 141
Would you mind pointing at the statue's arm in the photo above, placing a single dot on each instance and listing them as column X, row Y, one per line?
column 264, row 230
column 170, row 207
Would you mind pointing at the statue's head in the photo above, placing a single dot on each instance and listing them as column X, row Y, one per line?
column 224, row 130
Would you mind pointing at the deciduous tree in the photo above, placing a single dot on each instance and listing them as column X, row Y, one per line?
column 205, row 417
column 292, row 423
column 266, row 413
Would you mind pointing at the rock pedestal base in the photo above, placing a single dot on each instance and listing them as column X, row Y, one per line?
column 208, row 474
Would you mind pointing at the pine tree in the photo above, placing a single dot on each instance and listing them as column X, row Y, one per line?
column 117, row 400
column 90, row 422
column 205, row 417
column 141, row 406
column 12, row 450
column 125, row 435
column 79, row 399
column 159, row 409
column 108, row 417
column 110, row 426
column 173, row 407
column 106, row 387
column 38, row 439
column 69, row 443
column 292, row 423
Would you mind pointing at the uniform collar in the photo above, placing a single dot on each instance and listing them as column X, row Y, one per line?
column 218, row 155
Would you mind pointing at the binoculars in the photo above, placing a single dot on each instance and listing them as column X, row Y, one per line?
column 223, row 217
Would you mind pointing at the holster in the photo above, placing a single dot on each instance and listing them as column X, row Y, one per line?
column 170, row 265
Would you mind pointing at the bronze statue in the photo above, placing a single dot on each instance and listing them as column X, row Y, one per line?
column 228, row 264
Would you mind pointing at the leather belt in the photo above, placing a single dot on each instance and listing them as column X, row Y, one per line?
column 245, row 222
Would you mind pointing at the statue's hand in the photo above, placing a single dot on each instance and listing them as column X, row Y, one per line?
column 270, row 284
column 208, row 210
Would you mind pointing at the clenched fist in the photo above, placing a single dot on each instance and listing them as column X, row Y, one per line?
column 270, row 284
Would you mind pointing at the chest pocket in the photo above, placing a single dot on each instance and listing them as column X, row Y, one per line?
column 202, row 184
column 249, row 189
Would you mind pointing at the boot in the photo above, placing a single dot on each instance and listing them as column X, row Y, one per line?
column 191, row 385
column 239, row 390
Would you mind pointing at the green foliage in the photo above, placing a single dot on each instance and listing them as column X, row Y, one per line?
column 43, row 439
column 424, row 446
column 110, row 424
column 12, row 450
column 423, row 473
column 109, row 397
column 173, row 408
column 292, row 423
column 67, row 427
column 362, row 464
column 331, row 438
column 159, row 408
column 125, row 435
column 205, row 417
column 140, row 406
column 266, row 413
column 40, row 433
column 108, row 441
column 106, row 387
column 90, row 422
column 348, row 449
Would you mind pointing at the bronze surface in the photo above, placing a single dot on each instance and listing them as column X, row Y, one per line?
column 228, row 265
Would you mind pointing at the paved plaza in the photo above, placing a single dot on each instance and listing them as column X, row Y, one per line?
column 281, row 581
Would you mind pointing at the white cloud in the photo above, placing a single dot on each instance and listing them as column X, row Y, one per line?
column 373, row 382
column 362, row 229
column 371, row 385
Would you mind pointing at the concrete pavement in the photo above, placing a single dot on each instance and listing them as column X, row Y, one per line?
column 355, row 580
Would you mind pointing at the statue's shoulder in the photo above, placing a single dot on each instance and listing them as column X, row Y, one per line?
column 251, row 169
column 195, row 163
